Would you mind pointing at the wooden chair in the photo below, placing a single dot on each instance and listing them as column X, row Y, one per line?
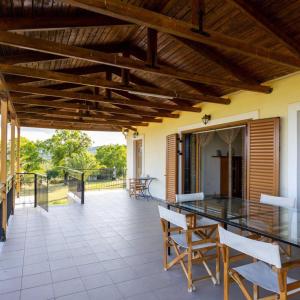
column 136, row 187
column 266, row 271
column 189, row 247
column 211, row 225
column 281, row 202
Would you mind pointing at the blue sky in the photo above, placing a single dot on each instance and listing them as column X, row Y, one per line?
column 98, row 138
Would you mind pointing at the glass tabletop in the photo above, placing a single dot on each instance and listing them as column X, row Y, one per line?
column 278, row 223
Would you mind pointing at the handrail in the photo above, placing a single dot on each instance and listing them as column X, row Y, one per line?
column 31, row 173
column 73, row 170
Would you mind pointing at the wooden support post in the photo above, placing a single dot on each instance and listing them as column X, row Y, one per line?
column 198, row 11
column 151, row 47
column 4, row 110
column 125, row 72
column 13, row 159
column 18, row 161
column 108, row 91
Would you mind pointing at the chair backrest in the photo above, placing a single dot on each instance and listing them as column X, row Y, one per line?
column 278, row 201
column 173, row 217
column 189, row 197
column 266, row 252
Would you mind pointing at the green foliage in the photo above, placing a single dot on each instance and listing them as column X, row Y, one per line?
column 30, row 155
column 53, row 173
column 65, row 143
column 81, row 161
column 111, row 156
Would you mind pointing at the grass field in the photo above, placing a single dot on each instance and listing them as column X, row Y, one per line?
column 58, row 192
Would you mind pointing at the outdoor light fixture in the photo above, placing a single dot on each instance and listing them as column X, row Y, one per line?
column 206, row 119
column 135, row 134
column 125, row 132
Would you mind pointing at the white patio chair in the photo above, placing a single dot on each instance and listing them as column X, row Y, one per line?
column 281, row 202
column 278, row 201
column 199, row 221
column 266, row 271
column 188, row 246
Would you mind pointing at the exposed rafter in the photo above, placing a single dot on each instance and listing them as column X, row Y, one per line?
column 215, row 56
column 96, row 98
column 144, row 17
column 16, row 40
column 57, row 22
column 78, row 121
column 255, row 13
column 69, row 126
column 88, row 107
column 81, row 80
column 84, row 115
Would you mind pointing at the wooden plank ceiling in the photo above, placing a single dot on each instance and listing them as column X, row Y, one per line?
column 114, row 65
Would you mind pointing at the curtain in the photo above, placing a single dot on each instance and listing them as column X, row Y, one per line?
column 203, row 139
column 229, row 136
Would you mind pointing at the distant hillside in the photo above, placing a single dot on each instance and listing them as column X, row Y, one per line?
column 93, row 150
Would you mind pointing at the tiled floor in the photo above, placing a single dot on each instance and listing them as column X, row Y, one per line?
column 110, row 248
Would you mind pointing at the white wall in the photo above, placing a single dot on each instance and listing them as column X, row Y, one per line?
column 285, row 92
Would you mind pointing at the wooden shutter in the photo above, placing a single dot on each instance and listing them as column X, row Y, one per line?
column 171, row 167
column 263, row 158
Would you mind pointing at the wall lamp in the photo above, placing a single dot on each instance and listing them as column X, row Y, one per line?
column 206, row 119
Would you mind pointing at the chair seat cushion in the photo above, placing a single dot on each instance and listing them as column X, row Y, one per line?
column 261, row 274
column 206, row 222
column 180, row 240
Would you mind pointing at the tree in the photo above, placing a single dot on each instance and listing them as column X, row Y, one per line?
column 112, row 156
column 31, row 159
column 81, row 161
column 65, row 143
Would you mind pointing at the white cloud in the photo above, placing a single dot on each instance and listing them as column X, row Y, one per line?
column 98, row 138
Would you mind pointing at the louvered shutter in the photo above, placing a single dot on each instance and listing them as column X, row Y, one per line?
column 171, row 167
column 263, row 158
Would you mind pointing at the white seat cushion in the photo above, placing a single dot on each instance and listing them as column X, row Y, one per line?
column 206, row 222
column 261, row 274
column 180, row 240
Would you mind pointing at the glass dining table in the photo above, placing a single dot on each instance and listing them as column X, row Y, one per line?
column 278, row 223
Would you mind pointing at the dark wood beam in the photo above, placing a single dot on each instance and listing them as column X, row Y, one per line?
column 217, row 57
column 141, row 55
column 96, row 98
column 151, row 47
column 125, row 72
column 271, row 26
column 144, row 17
column 91, row 108
column 81, row 80
column 77, row 121
column 108, row 77
column 84, row 115
column 69, row 126
column 11, row 39
column 57, row 22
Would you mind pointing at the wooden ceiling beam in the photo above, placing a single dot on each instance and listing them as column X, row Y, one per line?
column 77, row 121
column 151, row 47
column 215, row 56
column 84, row 115
column 16, row 40
column 83, row 80
column 47, row 23
column 87, row 107
column 97, row 98
column 270, row 26
column 54, row 125
column 141, row 55
column 163, row 23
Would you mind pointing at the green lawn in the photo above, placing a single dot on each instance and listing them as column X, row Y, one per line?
column 58, row 192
